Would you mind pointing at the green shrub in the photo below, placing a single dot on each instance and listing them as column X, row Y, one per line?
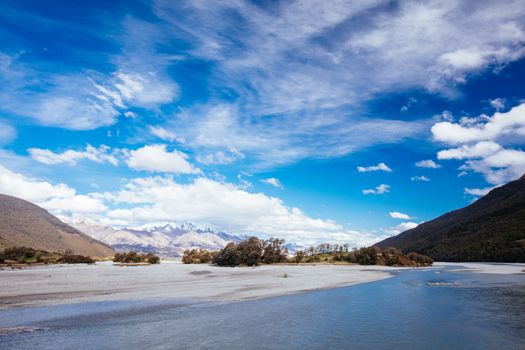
column 76, row 259
column 134, row 257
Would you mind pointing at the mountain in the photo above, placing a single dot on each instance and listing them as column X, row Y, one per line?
column 25, row 224
column 168, row 240
column 490, row 229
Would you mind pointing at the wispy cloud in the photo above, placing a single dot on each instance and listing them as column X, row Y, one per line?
column 100, row 155
column 378, row 167
column 381, row 189
column 273, row 181
column 420, row 178
column 398, row 215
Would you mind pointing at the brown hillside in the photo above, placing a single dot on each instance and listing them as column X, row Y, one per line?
column 25, row 224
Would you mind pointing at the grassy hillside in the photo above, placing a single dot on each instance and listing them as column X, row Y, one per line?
column 490, row 229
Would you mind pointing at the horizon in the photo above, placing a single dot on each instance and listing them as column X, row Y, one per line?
column 315, row 123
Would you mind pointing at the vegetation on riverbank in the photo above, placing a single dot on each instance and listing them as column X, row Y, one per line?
column 29, row 256
column 136, row 258
column 253, row 251
column 364, row 256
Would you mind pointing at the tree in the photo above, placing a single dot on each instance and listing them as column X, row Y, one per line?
column 299, row 256
column 273, row 251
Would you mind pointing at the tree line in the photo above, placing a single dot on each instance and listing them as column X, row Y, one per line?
column 254, row 251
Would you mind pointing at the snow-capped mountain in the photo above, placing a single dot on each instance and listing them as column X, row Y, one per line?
column 168, row 240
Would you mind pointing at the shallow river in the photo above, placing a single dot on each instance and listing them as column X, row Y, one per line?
column 430, row 309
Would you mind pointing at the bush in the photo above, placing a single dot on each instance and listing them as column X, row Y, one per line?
column 133, row 258
column 420, row 260
column 19, row 254
column 76, row 259
column 197, row 256
column 367, row 256
column 152, row 258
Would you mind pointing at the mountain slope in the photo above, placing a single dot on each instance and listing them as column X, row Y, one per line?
column 168, row 240
column 490, row 229
column 25, row 224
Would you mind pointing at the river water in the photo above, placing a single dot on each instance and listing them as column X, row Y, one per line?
column 417, row 309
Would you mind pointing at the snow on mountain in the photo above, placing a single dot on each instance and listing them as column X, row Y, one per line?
column 165, row 239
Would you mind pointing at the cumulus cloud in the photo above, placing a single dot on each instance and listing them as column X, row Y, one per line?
column 101, row 154
column 420, row 178
column 204, row 201
column 78, row 204
column 57, row 198
column 482, row 142
column 381, row 189
column 226, row 206
column 31, row 189
column 379, row 167
column 273, row 182
column 484, row 128
column 429, row 163
column 478, row 150
column 398, row 215
column 157, row 158
column 402, row 227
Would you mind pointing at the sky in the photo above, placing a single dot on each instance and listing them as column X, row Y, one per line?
column 313, row 121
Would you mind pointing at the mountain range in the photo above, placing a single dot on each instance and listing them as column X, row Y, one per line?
column 490, row 229
column 25, row 224
column 167, row 240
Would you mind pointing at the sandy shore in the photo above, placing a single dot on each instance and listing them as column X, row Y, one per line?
column 488, row 268
column 78, row 283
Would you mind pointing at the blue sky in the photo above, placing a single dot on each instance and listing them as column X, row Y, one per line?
column 313, row 121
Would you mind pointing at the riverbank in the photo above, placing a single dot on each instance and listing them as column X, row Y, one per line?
column 485, row 268
column 57, row 284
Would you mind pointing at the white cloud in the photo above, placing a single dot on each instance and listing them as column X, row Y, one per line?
column 101, row 154
column 478, row 192
column 398, row 215
column 273, row 181
column 82, row 101
column 381, row 189
column 483, row 139
column 225, row 206
column 157, row 159
column 203, row 201
column 498, row 104
column 421, row 178
column 78, row 204
column 429, row 163
column 502, row 124
column 7, row 133
column 479, row 150
column 378, row 167
column 220, row 157
column 31, row 189
column 164, row 134
column 402, row 227
column 411, row 101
